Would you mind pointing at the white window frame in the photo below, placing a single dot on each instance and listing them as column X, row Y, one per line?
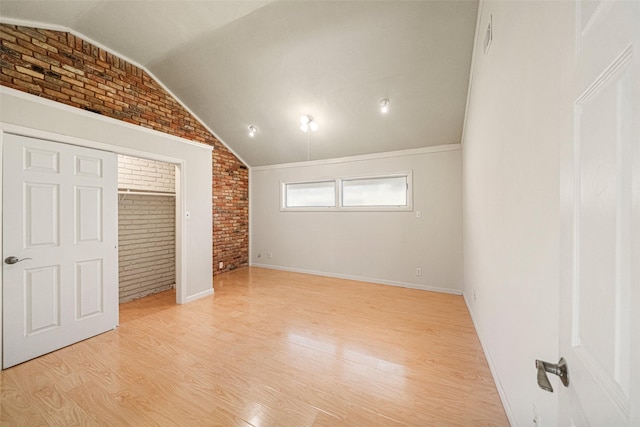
column 338, row 192
column 283, row 196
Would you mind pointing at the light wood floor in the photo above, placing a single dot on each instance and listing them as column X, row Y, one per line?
column 269, row 348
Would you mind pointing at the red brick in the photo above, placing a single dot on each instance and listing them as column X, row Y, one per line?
column 35, row 61
column 17, row 48
column 10, row 29
column 33, row 33
column 26, row 85
column 7, row 36
column 29, row 72
column 56, row 94
column 44, row 45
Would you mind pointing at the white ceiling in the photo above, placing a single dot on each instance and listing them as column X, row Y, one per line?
column 266, row 63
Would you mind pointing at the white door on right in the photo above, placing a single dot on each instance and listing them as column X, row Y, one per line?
column 600, row 244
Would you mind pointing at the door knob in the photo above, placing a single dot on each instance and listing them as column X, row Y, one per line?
column 13, row 259
column 559, row 369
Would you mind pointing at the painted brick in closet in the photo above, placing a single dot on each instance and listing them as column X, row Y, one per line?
column 145, row 175
column 62, row 67
column 146, row 228
column 146, row 240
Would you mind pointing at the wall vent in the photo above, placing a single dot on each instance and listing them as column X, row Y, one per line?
column 488, row 36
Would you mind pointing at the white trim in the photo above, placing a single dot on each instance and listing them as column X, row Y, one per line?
column 283, row 196
column 146, row 193
column 64, row 107
column 338, row 183
column 492, row 366
column 36, row 24
column 364, row 157
column 181, row 227
column 362, row 279
column 46, row 26
column 199, row 295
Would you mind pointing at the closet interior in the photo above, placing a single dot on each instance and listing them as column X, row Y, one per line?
column 146, row 227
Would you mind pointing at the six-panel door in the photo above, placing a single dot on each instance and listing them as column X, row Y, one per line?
column 60, row 221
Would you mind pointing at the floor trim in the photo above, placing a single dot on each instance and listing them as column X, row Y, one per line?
column 363, row 279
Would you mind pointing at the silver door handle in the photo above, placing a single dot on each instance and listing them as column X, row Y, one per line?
column 559, row 369
column 13, row 259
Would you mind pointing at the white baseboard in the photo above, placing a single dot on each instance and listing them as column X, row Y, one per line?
column 198, row 295
column 362, row 279
column 492, row 366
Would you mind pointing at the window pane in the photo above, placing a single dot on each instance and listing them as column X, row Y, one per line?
column 390, row 191
column 311, row 194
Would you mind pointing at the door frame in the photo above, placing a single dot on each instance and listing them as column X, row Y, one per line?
column 180, row 170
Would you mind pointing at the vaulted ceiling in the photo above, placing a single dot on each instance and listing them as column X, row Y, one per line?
column 266, row 63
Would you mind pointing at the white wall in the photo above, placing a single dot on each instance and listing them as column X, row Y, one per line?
column 381, row 247
column 193, row 179
column 518, row 114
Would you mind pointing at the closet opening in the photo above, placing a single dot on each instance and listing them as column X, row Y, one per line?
column 146, row 227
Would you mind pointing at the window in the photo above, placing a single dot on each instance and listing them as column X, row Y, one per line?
column 370, row 193
column 385, row 191
column 310, row 194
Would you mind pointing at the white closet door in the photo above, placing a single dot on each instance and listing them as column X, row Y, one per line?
column 60, row 222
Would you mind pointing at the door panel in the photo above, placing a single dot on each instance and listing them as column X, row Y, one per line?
column 89, row 288
column 88, row 214
column 60, row 216
column 41, row 215
column 42, row 289
column 88, row 166
column 600, row 281
column 41, row 160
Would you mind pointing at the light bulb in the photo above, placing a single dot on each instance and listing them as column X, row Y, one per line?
column 305, row 119
column 304, row 127
column 384, row 105
column 313, row 126
column 252, row 131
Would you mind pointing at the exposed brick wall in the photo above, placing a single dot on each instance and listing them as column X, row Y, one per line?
column 231, row 213
column 59, row 66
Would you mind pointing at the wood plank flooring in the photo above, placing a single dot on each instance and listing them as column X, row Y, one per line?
column 270, row 348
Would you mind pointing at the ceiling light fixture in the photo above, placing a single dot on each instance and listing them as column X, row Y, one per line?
column 308, row 123
column 384, row 105
column 252, row 131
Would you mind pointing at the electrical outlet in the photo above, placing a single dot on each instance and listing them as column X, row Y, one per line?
column 474, row 295
column 220, row 265
column 418, row 214
column 418, row 272
column 269, row 255
column 259, row 255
